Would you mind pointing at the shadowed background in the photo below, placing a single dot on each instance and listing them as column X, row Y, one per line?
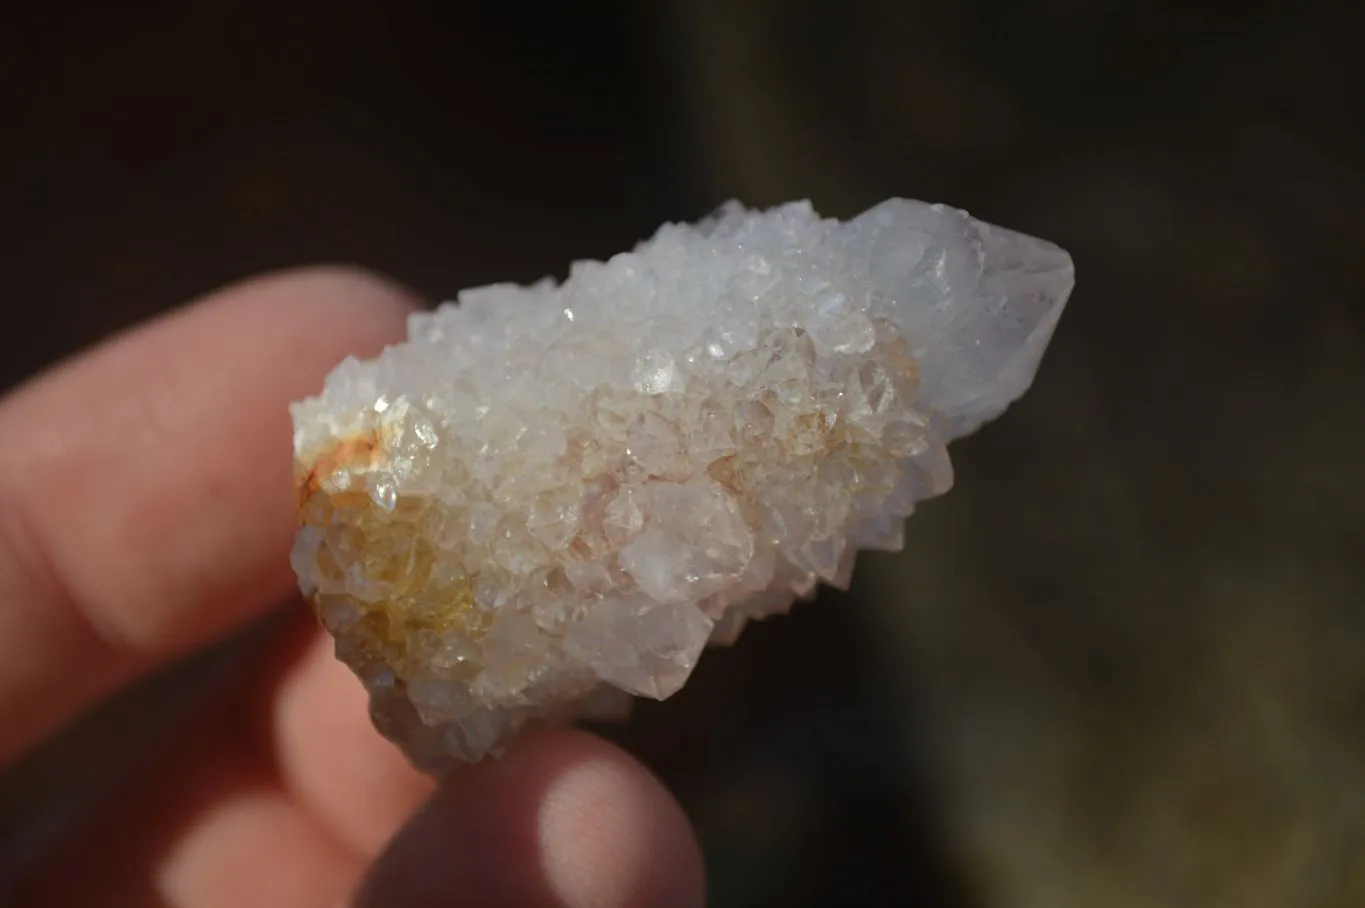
column 1121, row 665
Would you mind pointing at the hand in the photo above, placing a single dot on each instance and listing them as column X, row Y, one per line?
column 144, row 512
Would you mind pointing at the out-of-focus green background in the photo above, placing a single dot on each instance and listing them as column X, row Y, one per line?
column 1122, row 665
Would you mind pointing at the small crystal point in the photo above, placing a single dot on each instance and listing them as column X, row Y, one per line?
column 552, row 498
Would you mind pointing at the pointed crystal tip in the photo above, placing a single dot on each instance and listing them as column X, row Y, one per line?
column 976, row 302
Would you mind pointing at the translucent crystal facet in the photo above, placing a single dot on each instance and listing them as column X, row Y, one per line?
column 554, row 496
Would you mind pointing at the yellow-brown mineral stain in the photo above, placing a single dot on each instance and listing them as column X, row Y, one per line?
column 381, row 549
column 357, row 452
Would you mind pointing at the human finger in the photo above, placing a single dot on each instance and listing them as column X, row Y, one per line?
column 564, row 820
column 326, row 749
column 206, row 825
column 145, row 487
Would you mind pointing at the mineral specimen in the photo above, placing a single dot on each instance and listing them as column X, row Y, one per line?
column 553, row 497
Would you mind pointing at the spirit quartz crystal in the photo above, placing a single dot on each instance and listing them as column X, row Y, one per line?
column 551, row 498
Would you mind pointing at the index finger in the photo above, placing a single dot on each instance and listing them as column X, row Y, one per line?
column 145, row 487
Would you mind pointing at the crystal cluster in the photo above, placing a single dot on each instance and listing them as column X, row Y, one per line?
column 553, row 497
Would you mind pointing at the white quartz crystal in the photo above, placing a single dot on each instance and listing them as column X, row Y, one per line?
column 553, row 496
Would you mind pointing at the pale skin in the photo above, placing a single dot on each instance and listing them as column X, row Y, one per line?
column 145, row 512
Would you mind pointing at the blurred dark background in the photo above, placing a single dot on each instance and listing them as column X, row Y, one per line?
column 1123, row 664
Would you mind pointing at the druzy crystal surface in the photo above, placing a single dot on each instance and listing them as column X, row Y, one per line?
column 551, row 498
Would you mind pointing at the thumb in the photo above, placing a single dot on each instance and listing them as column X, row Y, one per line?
column 565, row 819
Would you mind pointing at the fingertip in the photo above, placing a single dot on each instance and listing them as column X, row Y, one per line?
column 565, row 819
column 610, row 834
column 339, row 310
column 328, row 752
